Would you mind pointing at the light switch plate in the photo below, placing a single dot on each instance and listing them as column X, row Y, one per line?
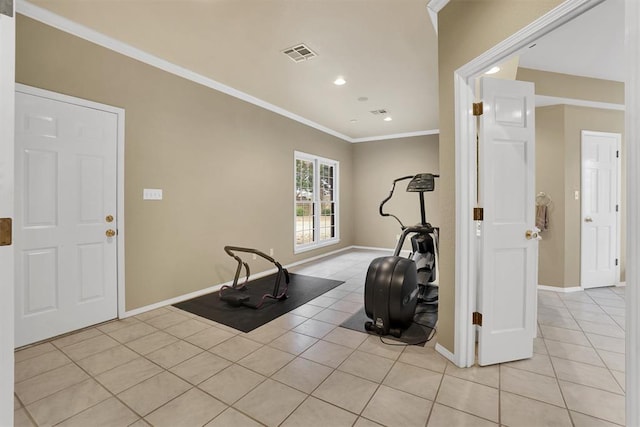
column 152, row 194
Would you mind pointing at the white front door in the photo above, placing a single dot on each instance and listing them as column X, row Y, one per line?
column 66, row 257
column 600, row 209
column 508, row 254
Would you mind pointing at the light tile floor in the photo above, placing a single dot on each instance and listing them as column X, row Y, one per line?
column 167, row 367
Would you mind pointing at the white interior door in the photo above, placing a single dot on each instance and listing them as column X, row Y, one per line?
column 600, row 209
column 7, row 83
column 66, row 260
column 508, row 259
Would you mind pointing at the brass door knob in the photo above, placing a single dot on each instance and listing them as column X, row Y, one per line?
column 588, row 219
column 531, row 234
column 109, row 218
column 110, row 233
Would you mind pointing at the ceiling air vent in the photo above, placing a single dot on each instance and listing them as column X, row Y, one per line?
column 376, row 112
column 299, row 53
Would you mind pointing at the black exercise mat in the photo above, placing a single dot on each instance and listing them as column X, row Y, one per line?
column 302, row 289
column 415, row 334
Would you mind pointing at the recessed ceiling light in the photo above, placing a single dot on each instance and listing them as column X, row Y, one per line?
column 387, row 119
column 493, row 70
column 353, row 120
column 339, row 81
column 363, row 99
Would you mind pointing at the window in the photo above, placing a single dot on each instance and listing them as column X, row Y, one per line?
column 316, row 201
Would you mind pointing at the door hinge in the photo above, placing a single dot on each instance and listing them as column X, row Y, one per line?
column 6, row 233
column 617, row 153
column 616, row 208
column 616, row 261
column 478, row 214
column 477, row 108
column 476, row 318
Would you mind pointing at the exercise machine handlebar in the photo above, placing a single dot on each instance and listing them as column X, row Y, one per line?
column 393, row 187
column 230, row 249
column 419, row 178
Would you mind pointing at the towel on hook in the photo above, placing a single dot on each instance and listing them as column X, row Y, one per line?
column 542, row 217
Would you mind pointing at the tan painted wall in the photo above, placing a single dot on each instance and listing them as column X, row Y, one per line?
column 466, row 29
column 375, row 166
column 550, row 159
column 226, row 166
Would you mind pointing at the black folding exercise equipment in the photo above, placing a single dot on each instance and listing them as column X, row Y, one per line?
column 395, row 285
column 236, row 294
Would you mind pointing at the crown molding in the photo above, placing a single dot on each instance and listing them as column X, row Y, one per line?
column 396, row 136
column 63, row 24
column 434, row 7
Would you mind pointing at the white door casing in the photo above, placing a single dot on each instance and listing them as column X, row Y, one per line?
column 508, row 256
column 7, row 79
column 600, row 213
column 66, row 265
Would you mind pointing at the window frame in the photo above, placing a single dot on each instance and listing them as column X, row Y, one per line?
column 317, row 202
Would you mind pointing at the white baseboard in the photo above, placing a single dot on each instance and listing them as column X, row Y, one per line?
column 371, row 248
column 621, row 284
column 214, row 288
column 317, row 257
column 559, row 289
column 446, row 353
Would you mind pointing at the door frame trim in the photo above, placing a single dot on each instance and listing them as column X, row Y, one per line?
column 465, row 166
column 465, row 183
column 120, row 114
column 618, row 190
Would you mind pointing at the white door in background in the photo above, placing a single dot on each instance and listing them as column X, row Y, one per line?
column 66, row 258
column 600, row 240
column 509, row 249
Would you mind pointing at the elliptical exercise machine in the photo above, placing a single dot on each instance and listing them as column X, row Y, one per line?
column 395, row 285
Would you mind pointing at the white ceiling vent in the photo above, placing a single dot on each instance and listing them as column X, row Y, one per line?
column 299, row 53
column 376, row 112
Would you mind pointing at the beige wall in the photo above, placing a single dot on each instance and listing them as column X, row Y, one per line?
column 573, row 87
column 466, row 29
column 550, row 171
column 375, row 166
column 226, row 166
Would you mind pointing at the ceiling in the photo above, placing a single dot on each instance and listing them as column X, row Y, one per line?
column 386, row 50
column 591, row 45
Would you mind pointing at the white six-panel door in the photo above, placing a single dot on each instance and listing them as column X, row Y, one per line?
column 600, row 209
column 508, row 257
column 66, row 263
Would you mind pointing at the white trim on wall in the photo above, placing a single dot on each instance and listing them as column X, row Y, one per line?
column 559, row 289
column 49, row 18
column 7, row 300
column 632, row 135
column 396, row 136
column 434, row 7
